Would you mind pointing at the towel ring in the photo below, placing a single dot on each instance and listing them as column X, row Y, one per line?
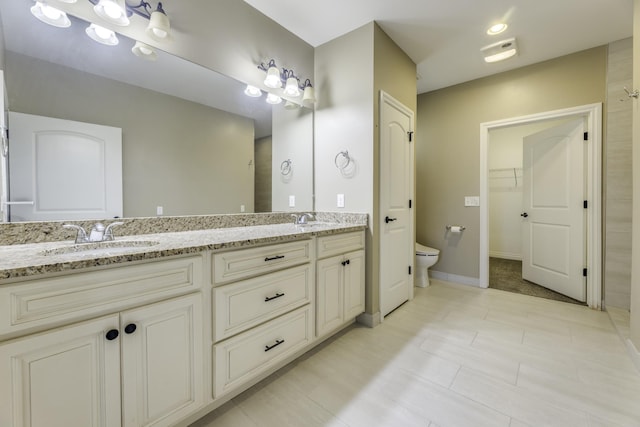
column 346, row 159
column 285, row 167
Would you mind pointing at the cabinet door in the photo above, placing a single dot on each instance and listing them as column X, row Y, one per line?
column 354, row 285
column 69, row 377
column 162, row 361
column 329, row 292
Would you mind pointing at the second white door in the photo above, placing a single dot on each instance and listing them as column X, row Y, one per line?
column 553, row 231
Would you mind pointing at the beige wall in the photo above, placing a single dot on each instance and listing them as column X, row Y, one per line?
column 350, row 72
column 186, row 157
column 618, row 192
column 448, row 140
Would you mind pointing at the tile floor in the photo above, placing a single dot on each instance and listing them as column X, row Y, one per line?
column 455, row 356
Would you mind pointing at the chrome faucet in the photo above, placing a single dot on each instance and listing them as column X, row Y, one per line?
column 302, row 219
column 81, row 236
column 99, row 233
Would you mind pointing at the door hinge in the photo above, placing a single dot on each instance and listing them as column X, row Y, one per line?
column 585, row 204
column 410, row 203
column 584, row 272
column 410, row 133
column 586, row 136
column 409, row 270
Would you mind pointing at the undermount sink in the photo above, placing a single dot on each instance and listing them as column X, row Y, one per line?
column 113, row 246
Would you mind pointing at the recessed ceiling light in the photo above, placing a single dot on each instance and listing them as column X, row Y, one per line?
column 497, row 29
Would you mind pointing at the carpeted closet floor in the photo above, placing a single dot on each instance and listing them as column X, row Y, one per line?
column 506, row 275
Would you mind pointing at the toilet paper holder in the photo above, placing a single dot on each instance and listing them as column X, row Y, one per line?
column 455, row 227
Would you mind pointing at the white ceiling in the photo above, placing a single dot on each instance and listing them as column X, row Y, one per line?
column 444, row 37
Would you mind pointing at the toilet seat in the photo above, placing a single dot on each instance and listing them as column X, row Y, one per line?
column 422, row 250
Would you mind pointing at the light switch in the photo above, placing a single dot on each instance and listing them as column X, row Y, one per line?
column 340, row 200
column 159, row 210
column 292, row 201
column 472, row 201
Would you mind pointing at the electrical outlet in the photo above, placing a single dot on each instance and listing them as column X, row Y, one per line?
column 292, row 201
column 241, row 208
column 159, row 210
column 340, row 200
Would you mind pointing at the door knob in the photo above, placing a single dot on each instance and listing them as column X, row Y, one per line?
column 524, row 215
column 130, row 328
column 112, row 334
column 388, row 220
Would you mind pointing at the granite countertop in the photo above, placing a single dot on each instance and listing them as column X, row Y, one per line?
column 22, row 261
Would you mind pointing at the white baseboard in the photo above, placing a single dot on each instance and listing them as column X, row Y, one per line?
column 505, row 255
column 633, row 352
column 463, row 280
column 369, row 320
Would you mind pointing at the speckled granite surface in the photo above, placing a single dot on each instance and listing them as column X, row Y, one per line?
column 25, row 260
column 19, row 233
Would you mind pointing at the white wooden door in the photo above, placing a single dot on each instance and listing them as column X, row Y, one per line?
column 69, row 377
column 162, row 361
column 396, row 190
column 4, row 153
column 329, row 295
column 553, row 224
column 61, row 169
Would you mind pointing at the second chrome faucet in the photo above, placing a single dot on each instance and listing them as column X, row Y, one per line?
column 98, row 233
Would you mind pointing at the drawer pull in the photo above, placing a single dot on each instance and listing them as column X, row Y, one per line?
column 112, row 334
column 276, row 296
column 273, row 258
column 270, row 347
column 347, row 262
column 130, row 328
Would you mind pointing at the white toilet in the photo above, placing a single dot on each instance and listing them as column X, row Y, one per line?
column 425, row 258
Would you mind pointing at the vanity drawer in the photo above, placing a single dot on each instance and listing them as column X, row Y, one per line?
column 44, row 303
column 235, row 265
column 339, row 243
column 244, row 304
column 244, row 356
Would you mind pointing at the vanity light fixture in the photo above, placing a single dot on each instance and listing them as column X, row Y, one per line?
column 273, row 99
column 291, row 85
column 253, row 91
column 112, row 11
column 159, row 27
column 102, row 35
column 500, row 51
column 144, row 51
column 50, row 15
column 309, row 94
column 273, row 79
column 498, row 28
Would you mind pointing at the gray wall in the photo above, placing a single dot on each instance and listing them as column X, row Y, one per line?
column 618, row 174
column 350, row 72
column 262, row 157
column 188, row 158
column 448, row 141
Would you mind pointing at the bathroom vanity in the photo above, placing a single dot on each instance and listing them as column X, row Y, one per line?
column 160, row 329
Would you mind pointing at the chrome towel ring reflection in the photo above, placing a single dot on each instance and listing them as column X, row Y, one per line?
column 285, row 167
column 342, row 160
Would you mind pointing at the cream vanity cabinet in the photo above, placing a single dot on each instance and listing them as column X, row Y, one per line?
column 262, row 310
column 140, row 362
column 340, row 280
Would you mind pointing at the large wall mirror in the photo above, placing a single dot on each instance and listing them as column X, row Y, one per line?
column 192, row 142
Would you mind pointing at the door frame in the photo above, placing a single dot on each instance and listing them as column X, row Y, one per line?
column 385, row 98
column 593, row 168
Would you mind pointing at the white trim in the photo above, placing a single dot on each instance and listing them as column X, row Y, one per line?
column 633, row 353
column 462, row 280
column 505, row 255
column 388, row 99
column 369, row 320
column 593, row 114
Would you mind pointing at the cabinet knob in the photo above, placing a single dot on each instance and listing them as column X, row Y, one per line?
column 130, row 328
column 112, row 334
